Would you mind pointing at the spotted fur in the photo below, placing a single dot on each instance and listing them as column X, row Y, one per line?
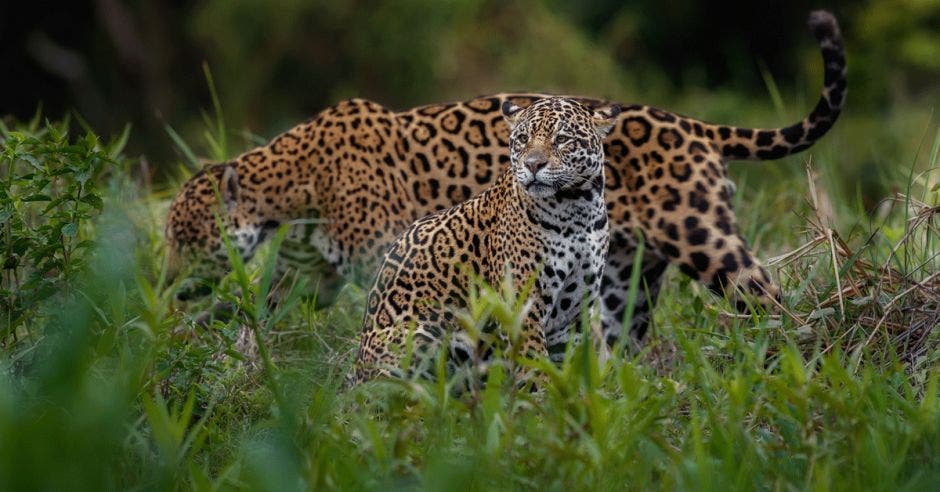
column 545, row 217
column 360, row 174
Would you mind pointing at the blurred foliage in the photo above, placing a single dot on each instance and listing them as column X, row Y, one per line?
column 48, row 200
column 899, row 45
column 278, row 62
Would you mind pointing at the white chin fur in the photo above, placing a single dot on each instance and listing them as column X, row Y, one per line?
column 540, row 190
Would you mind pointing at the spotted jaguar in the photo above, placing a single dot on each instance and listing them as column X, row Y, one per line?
column 543, row 218
column 352, row 178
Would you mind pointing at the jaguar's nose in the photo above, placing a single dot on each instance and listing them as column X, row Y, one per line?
column 535, row 161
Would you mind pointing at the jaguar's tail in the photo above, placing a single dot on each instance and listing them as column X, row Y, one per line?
column 774, row 143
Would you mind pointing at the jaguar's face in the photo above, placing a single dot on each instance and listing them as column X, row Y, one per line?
column 557, row 144
column 195, row 246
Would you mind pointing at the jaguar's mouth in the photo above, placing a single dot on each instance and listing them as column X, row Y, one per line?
column 540, row 188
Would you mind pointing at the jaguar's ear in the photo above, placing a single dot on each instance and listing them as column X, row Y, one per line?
column 228, row 186
column 605, row 117
column 511, row 113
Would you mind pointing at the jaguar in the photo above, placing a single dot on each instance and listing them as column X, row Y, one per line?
column 348, row 181
column 544, row 218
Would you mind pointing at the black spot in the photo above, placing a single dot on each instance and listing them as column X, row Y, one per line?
column 723, row 222
column 484, row 178
column 491, row 104
column 641, row 135
column 683, row 175
column 688, row 270
column 672, row 231
column 697, row 148
column 661, row 115
column 698, row 201
column 754, row 286
column 700, row 260
column 674, row 199
column 819, row 130
column 776, row 152
column 458, row 119
column 670, row 250
column 697, row 237
column 719, row 281
column 612, row 301
column 729, row 262
column 416, row 187
column 639, row 182
column 737, row 150
column 461, row 355
column 765, row 138
column 481, row 129
column 793, row 134
column 835, row 96
column 745, row 257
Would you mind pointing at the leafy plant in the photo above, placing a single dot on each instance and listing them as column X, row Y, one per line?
column 49, row 197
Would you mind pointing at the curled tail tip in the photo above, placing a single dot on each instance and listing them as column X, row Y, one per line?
column 824, row 25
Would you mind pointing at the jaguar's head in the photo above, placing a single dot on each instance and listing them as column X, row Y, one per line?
column 557, row 145
column 194, row 241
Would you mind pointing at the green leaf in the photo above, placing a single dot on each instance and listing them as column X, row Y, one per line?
column 116, row 146
column 182, row 146
column 70, row 229
column 38, row 197
column 92, row 199
column 32, row 161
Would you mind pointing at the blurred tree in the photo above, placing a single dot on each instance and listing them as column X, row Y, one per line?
column 277, row 62
column 898, row 52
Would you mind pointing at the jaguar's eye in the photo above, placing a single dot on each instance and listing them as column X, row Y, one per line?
column 522, row 138
column 562, row 139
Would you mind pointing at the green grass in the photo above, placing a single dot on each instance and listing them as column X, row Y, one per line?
column 106, row 382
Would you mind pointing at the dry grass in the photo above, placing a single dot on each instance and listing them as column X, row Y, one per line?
column 882, row 305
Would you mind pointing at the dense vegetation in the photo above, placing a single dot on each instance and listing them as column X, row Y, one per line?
column 107, row 382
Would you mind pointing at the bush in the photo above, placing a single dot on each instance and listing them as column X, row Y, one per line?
column 49, row 198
